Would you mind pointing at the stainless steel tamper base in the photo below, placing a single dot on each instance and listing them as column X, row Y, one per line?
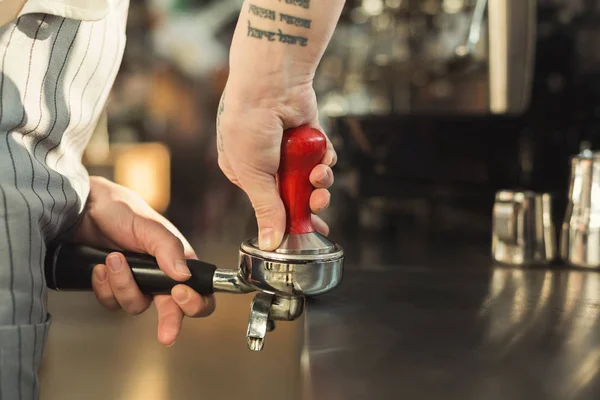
column 302, row 272
column 304, row 265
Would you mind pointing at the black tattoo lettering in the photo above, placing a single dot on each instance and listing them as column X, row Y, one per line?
column 283, row 37
column 291, row 20
column 259, row 33
column 299, row 3
column 220, row 146
column 262, row 12
column 291, row 39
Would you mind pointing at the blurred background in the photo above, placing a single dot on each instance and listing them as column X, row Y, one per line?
column 433, row 106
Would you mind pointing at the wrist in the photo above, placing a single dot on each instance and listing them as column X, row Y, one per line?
column 269, row 48
column 271, row 66
column 274, row 90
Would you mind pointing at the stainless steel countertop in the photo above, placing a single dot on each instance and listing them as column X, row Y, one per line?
column 441, row 322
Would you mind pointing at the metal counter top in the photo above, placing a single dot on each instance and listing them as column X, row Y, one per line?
column 447, row 324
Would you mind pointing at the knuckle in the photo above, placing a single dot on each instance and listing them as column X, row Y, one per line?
column 93, row 209
column 223, row 165
column 264, row 210
column 144, row 232
column 174, row 242
column 226, row 169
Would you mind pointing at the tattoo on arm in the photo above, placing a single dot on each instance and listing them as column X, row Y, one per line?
column 300, row 3
column 262, row 12
column 283, row 37
column 220, row 146
column 291, row 20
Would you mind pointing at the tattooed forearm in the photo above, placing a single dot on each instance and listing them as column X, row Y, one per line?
column 220, row 146
column 262, row 12
column 291, row 20
column 283, row 37
column 299, row 3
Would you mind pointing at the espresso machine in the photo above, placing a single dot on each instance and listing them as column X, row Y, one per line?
column 402, row 57
column 436, row 106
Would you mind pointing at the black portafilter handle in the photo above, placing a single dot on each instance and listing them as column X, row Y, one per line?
column 69, row 267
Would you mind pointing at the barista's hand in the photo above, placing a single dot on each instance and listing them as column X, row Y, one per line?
column 250, row 124
column 117, row 218
column 269, row 89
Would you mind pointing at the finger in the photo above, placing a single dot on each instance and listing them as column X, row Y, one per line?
column 321, row 176
column 170, row 318
column 191, row 303
column 102, row 288
column 157, row 240
column 320, row 225
column 319, row 200
column 123, row 286
column 268, row 207
column 330, row 157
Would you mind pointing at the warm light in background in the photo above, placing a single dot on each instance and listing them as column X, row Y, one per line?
column 145, row 169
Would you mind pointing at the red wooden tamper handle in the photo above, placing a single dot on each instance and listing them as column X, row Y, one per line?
column 302, row 149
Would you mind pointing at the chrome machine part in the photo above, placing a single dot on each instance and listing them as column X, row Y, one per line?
column 303, row 244
column 259, row 321
column 304, row 265
column 291, row 274
column 580, row 234
column 522, row 228
column 512, row 34
column 228, row 280
column 464, row 54
column 267, row 308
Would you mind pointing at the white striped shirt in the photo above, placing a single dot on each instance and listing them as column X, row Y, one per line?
column 58, row 61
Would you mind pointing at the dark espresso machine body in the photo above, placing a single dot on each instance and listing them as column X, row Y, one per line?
column 510, row 117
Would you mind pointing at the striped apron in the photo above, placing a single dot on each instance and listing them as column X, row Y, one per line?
column 55, row 78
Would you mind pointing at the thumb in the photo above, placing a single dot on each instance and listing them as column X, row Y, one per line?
column 268, row 208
